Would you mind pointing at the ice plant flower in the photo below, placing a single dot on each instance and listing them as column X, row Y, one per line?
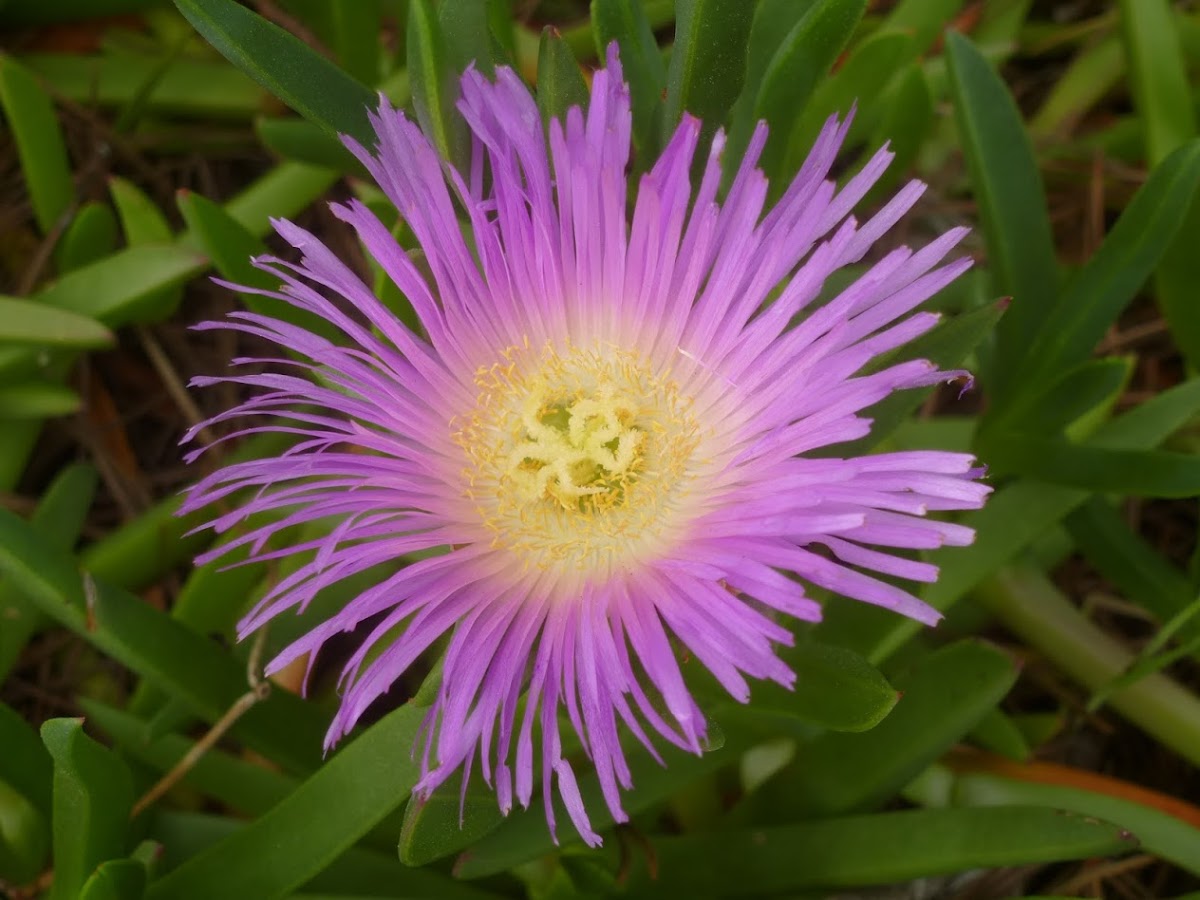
column 603, row 424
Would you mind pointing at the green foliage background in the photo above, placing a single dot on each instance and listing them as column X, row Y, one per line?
column 903, row 754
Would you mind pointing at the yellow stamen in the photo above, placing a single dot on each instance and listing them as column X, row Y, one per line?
column 578, row 459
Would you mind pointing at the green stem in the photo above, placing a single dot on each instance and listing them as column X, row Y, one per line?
column 1031, row 607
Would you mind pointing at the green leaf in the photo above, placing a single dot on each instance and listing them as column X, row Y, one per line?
column 1129, row 562
column 24, row 837
column 40, row 147
column 93, row 794
column 172, row 657
column 120, row 288
column 1094, row 298
column 863, row 79
column 708, row 61
column 1158, row 75
column 24, row 766
column 1140, row 473
column 923, row 19
column 58, row 519
column 861, row 851
column 434, row 81
column 1091, row 386
column 947, row 694
column 201, row 88
column 1012, row 205
column 301, row 141
column 37, row 400
column 117, row 879
column 560, row 84
column 802, row 60
column 446, row 823
column 91, row 236
column 141, row 219
column 835, row 689
column 466, row 30
column 1093, row 72
column 357, row 872
column 642, row 64
column 41, row 325
column 1163, row 99
column 905, row 121
column 356, row 30
column 1158, row 832
column 1164, row 103
column 317, row 822
column 285, row 66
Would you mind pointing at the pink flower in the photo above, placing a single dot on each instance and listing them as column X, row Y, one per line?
column 602, row 428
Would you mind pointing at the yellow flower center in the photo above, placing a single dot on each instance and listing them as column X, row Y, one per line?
column 577, row 459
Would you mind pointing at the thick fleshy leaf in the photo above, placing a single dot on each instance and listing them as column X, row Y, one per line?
column 39, row 324
column 58, row 519
column 861, row 81
column 116, row 290
column 641, row 61
column 1012, row 205
column 1099, row 292
column 835, row 689
column 141, row 219
column 1158, row 832
column 356, row 31
column 24, row 766
column 1090, row 387
column 560, row 83
column 904, row 122
column 117, row 879
column 925, row 20
column 434, row 81
column 467, row 32
column 1158, row 76
column 708, row 61
column 40, row 147
column 188, row 87
column 91, row 236
column 861, row 851
column 1126, row 559
column 369, row 778
column 284, row 65
column 801, row 60
column 357, row 872
column 301, row 141
column 946, row 695
column 1139, row 473
column 37, row 400
column 24, row 837
column 93, row 793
